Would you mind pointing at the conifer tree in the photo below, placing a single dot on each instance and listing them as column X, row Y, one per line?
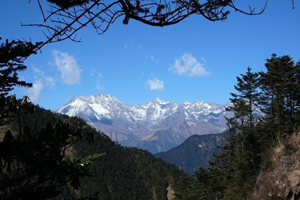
column 235, row 167
column 245, row 101
column 12, row 57
column 280, row 95
column 183, row 188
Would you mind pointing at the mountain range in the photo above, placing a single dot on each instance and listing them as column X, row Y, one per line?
column 156, row 126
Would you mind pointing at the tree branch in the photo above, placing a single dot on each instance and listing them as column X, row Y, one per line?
column 65, row 20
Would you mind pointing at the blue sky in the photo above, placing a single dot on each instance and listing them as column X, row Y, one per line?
column 193, row 60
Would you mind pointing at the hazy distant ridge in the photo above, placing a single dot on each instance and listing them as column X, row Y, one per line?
column 196, row 151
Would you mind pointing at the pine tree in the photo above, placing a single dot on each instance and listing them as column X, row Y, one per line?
column 280, row 95
column 12, row 57
column 245, row 102
column 183, row 187
column 239, row 160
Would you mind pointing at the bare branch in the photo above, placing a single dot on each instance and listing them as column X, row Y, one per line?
column 293, row 3
column 251, row 10
column 65, row 18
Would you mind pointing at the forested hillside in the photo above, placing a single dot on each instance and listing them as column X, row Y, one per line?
column 126, row 173
column 235, row 172
column 122, row 173
column 194, row 152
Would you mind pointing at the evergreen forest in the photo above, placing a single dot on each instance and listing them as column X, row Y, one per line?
column 266, row 114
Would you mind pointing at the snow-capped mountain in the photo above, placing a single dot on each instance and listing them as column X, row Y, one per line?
column 155, row 126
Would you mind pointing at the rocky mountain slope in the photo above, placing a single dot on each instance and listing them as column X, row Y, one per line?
column 196, row 151
column 155, row 126
column 279, row 177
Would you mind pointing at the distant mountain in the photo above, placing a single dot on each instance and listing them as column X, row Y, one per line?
column 155, row 126
column 159, row 141
column 196, row 151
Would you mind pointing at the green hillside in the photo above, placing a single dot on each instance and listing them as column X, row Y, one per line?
column 122, row 173
column 126, row 173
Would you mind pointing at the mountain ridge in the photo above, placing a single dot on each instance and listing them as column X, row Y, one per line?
column 139, row 125
column 195, row 152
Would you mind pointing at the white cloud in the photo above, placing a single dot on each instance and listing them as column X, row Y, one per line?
column 37, row 71
column 50, row 82
column 153, row 59
column 34, row 92
column 100, row 76
column 67, row 65
column 189, row 66
column 93, row 70
column 39, row 74
column 155, row 84
column 98, row 85
column 41, row 81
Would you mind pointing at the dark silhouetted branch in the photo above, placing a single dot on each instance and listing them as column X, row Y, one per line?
column 65, row 18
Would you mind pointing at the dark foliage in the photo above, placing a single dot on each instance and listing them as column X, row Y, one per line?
column 126, row 173
column 34, row 158
column 122, row 173
column 68, row 3
column 12, row 57
column 275, row 94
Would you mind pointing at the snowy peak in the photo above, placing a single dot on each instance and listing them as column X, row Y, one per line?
column 99, row 99
column 125, row 123
column 158, row 109
column 186, row 103
column 103, row 105
column 160, row 102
